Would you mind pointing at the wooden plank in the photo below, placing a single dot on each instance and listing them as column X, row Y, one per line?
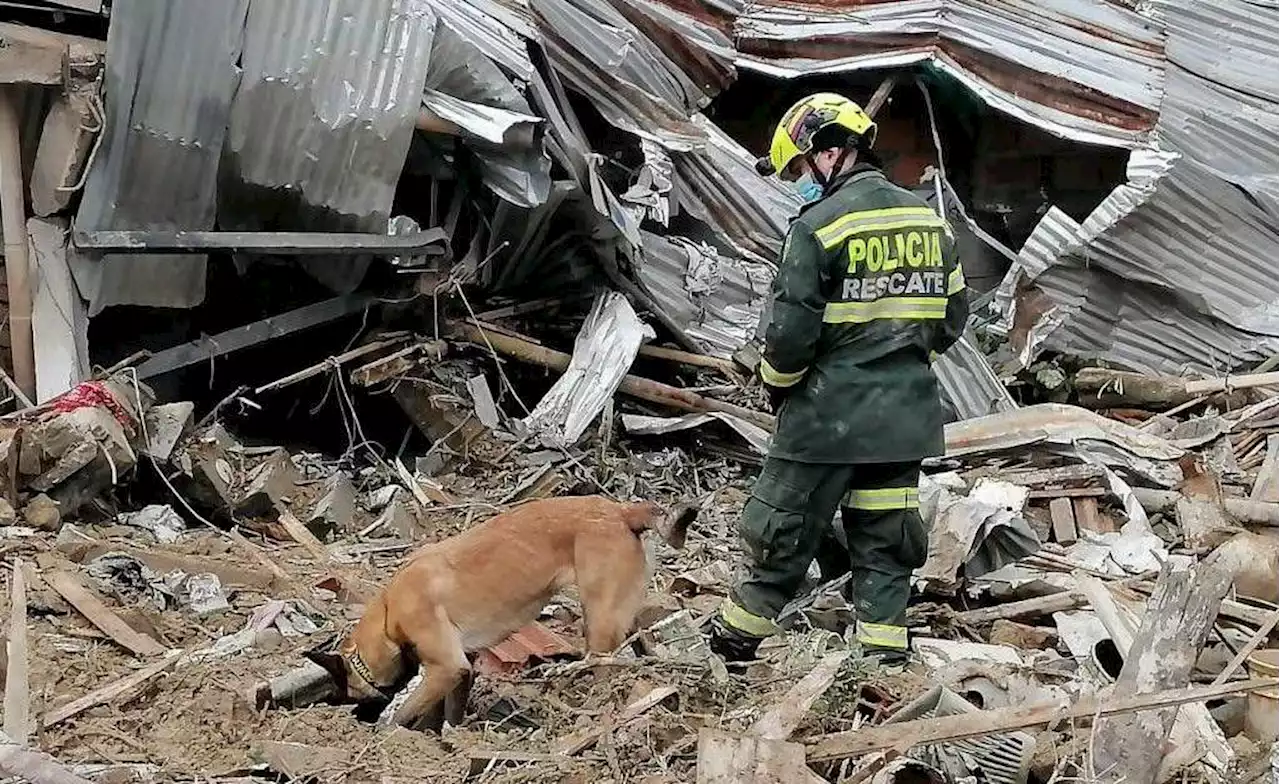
column 78, row 596
column 277, row 243
column 584, row 740
column 1089, row 519
column 1266, row 488
column 1257, row 639
column 729, row 759
column 1068, row 492
column 17, row 698
column 909, row 734
column 1064, row 520
column 164, row 562
column 783, row 718
column 1129, row 748
column 303, row 536
column 119, row 691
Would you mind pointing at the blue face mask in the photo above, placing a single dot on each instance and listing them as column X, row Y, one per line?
column 809, row 190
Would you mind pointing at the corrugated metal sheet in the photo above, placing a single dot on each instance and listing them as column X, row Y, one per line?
column 1177, row 268
column 1084, row 69
column 625, row 74
column 719, row 186
column 325, row 111
column 499, row 28
column 171, row 74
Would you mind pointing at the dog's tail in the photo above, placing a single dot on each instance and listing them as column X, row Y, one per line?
column 673, row 526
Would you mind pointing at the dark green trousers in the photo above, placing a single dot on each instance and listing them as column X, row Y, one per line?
column 786, row 525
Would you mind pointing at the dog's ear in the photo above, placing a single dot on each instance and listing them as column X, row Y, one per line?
column 332, row 664
column 681, row 518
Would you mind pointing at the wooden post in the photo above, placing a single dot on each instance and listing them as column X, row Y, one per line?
column 1178, row 619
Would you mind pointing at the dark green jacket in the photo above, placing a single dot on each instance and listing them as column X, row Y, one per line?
column 868, row 290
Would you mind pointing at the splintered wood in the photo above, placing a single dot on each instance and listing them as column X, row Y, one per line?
column 782, row 720
column 1177, row 622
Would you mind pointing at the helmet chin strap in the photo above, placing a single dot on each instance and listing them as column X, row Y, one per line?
column 825, row 181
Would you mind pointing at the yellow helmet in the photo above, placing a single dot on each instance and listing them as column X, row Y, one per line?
column 794, row 135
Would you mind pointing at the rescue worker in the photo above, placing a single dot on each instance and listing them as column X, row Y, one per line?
column 869, row 291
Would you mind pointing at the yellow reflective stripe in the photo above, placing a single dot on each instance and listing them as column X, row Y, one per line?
column 884, row 498
column 776, row 378
column 849, row 220
column 882, row 635
column 887, row 308
column 746, row 621
column 955, row 281
column 865, row 228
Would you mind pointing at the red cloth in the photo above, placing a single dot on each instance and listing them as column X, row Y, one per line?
column 93, row 394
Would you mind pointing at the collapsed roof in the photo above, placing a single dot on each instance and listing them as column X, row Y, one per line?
column 1176, row 269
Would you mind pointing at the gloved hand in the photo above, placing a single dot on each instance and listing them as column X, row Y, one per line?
column 776, row 396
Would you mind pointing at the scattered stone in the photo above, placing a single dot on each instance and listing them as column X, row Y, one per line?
column 43, row 513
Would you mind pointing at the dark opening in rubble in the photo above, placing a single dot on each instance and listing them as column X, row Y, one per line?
column 1005, row 172
column 310, row 415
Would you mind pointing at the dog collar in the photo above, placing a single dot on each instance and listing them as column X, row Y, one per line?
column 366, row 674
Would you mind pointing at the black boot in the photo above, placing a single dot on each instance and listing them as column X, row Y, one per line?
column 886, row 658
column 732, row 645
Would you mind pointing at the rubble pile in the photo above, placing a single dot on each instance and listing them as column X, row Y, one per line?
column 1082, row 567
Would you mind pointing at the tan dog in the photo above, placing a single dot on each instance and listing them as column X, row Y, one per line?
column 472, row 590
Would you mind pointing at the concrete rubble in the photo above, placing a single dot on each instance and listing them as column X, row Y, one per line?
column 415, row 262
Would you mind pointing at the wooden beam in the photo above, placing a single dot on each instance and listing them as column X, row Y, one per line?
column 78, row 596
column 116, row 691
column 642, row 388
column 783, row 718
column 1129, row 748
column 1266, row 488
column 275, row 243
column 881, row 95
column 907, row 735
column 17, row 705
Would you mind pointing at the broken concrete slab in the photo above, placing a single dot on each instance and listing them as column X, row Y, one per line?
column 166, row 425
column 335, row 508
column 269, row 487
column 72, row 123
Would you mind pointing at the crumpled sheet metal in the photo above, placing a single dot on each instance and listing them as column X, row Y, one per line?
column 171, row 74
column 1069, row 429
column 969, row 383
column 500, row 29
column 1176, row 268
column 1098, row 67
column 625, row 73
column 637, row 424
column 719, row 186
column 606, row 346
column 975, row 534
column 718, row 300
column 465, row 86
